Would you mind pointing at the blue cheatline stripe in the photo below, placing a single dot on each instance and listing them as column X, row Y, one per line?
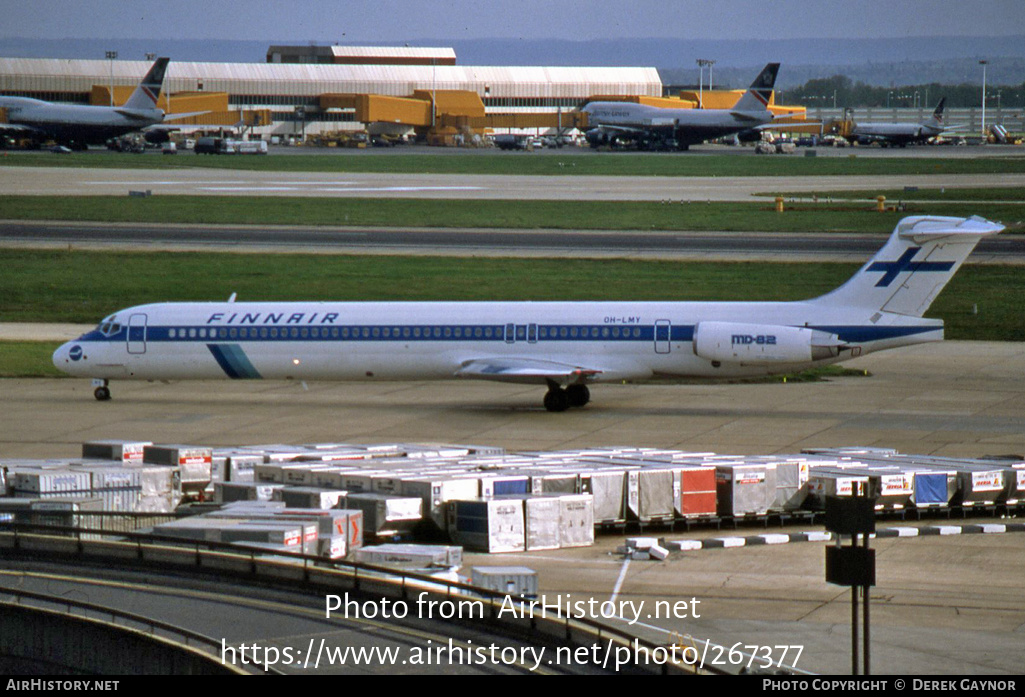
column 857, row 334
column 233, row 361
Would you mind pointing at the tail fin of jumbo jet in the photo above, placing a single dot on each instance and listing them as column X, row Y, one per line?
column 906, row 275
column 146, row 94
column 758, row 95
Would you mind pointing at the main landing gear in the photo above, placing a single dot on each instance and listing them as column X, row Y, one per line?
column 102, row 391
column 559, row 399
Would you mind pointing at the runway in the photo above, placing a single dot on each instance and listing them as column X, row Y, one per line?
column 696, row 246
column 40, row 181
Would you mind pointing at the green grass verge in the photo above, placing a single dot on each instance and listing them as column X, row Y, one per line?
column 566, row 215
column 558, row 162
column 28, row 359
column 62, row 286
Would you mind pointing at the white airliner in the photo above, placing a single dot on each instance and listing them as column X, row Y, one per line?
column 902, row 134
column 81, row 125
column 565, row 345
column 652, row 127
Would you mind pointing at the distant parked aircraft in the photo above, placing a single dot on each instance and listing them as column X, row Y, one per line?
column 900, row 134
column 78, row 125
column 652, row 127
column 564, row 345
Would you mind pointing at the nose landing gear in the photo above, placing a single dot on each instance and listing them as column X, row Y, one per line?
column 102, row 391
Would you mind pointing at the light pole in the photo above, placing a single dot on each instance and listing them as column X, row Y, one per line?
column 983, row 64
column 111, row 56
column 702, row 62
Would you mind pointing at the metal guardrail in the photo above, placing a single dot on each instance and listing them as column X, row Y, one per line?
column 556, row 625
column 209, row 645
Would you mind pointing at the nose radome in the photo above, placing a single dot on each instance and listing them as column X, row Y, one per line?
column 62, row 358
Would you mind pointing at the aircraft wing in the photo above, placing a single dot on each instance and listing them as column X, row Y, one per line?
column 620, row 129
column 185, row 115
column 18, row 128
column 528, row 370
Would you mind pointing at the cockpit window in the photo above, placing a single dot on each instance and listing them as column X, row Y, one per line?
column 108, row 327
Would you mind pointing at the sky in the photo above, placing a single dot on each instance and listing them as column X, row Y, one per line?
column 396, row 22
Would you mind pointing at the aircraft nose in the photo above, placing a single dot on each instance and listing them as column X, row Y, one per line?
column 67, row 356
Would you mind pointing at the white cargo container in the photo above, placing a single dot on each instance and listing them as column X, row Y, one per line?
column 488, row 525
column 384, row 514
column 51, row 481
column 230, row 492
column 650, row 495
column 576, row 520
column 744, row 489
column 309, row 497
column 515, row 581
column 120, row 450
column 411, row 556
column 436, row 490
column 608, row 489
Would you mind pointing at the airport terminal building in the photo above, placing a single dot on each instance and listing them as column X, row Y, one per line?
column 311, row 89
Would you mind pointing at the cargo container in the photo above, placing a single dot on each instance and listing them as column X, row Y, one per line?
column 576, row 520
column 51, row 481
column 385, row 515
column 745, row 489
column 71, row 512
column 120, row 450
column 650, row 495
column 230, row 492
column 235, row 467
column 307, row 497
column 694, row 491
column 488, row 525
column 492, row 485
column 516, row 581
column 837, row 483
column 541, row 520
column 411, row 557
column 195, row 464
column 607, row 488
column 555, row 482
column 435, row 491
column 791, row 477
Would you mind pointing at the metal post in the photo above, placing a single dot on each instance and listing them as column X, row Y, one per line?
column 854, row 620
column 112, row 56
column 864, row 622
column 983, row 64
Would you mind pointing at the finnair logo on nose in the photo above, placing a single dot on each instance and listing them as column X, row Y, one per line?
column 75, row 353
column 891, row 269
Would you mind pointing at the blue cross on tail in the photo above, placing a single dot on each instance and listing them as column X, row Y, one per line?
column 891, row 269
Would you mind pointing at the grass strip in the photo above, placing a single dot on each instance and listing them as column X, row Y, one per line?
column 566, row 162
column 982, row 301
column 443, row 213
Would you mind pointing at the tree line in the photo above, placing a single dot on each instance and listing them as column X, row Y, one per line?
column 840, row 91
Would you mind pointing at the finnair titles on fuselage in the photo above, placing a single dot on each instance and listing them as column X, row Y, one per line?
column 564, row 345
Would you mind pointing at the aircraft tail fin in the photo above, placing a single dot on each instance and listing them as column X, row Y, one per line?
column 906, row 275
column 937, row 115
column 760, row 92
column 146, row 94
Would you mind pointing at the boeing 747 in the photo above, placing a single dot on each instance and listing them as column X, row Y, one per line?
column 78, row 126
column 652, row 127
